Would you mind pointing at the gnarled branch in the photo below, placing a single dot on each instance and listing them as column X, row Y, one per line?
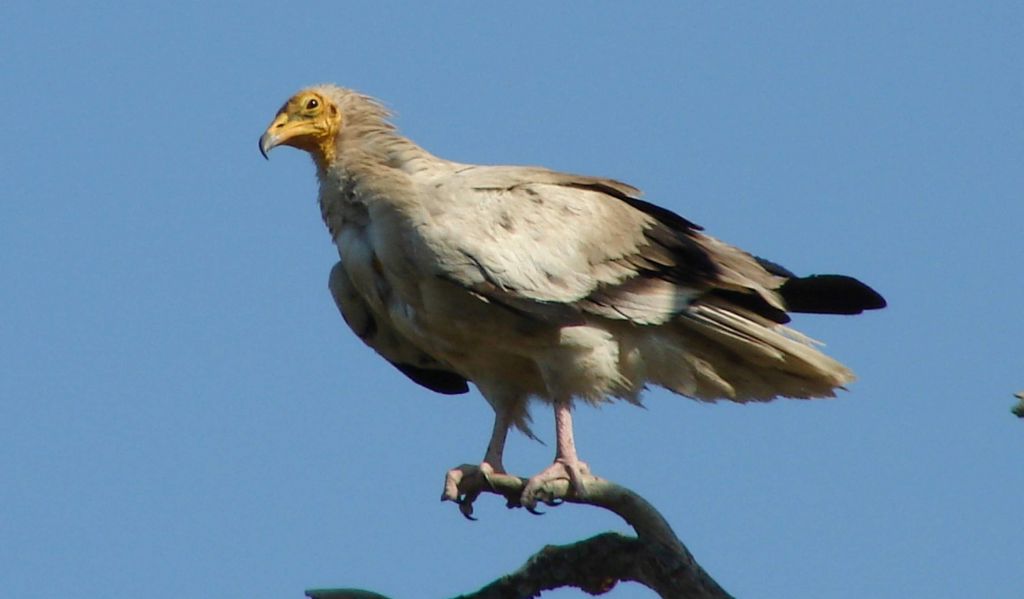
column 655, row 558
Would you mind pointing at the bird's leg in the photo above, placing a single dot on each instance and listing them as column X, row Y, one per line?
column 453, row 488
column 567, row 464
column 496, row 446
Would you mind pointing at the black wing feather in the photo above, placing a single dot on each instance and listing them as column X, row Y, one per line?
column 441, row 381
column 830, row 294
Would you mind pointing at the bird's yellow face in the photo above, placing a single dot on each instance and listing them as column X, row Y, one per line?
column 308, row 121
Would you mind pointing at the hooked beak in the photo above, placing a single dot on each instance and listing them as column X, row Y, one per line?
column 271, row 138
column 267, row 143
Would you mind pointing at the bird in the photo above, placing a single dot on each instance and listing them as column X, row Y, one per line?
column 539, row 286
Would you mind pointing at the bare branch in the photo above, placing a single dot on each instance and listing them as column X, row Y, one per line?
column 656, row 558
column 597, row 564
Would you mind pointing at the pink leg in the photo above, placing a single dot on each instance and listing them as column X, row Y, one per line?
column 496, row 447
column 567, row 465
column 565, row 444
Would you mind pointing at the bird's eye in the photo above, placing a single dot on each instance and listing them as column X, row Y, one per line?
column 312, row 104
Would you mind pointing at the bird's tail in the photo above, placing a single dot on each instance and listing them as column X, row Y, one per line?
column 716, row 351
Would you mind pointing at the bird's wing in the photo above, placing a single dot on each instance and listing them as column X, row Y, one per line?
column 557, row 247
column 386, row 341
column 824, row 294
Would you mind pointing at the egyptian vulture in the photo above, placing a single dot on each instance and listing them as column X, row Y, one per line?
column 537, row 285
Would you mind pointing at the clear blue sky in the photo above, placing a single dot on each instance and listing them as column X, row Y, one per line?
column 183, row 413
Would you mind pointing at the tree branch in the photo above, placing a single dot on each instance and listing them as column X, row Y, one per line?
column 655, row 558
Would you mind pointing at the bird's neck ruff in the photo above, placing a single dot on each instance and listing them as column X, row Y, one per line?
column 373, row 149
column 368, row 162
column 364, row 141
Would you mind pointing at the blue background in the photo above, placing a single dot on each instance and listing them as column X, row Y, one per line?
column 183, row 413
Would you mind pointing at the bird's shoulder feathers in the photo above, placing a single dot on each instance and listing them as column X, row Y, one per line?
column 558, row 245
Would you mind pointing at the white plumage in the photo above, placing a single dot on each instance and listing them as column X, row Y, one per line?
column 539, row 285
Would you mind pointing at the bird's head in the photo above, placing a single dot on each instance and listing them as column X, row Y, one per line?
column 310, row 121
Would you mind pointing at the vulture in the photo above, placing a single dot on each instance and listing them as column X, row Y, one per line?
column 542, row 286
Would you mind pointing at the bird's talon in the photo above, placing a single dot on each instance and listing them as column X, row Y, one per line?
column 573, row 472
column 533, row 510
column 463, row 485
column 466, row 509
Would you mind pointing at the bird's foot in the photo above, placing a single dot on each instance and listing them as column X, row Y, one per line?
column 463, row 484
column 574, row 471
